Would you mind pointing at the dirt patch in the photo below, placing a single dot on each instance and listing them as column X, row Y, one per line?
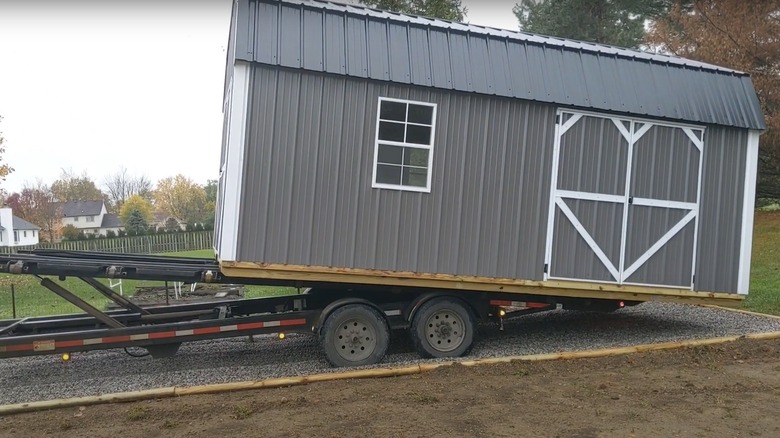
column 725, row 390
column 147, row 296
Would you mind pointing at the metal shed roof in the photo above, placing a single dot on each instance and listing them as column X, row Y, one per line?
column 367, row 43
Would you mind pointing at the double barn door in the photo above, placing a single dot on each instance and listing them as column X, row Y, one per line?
column 625, row 201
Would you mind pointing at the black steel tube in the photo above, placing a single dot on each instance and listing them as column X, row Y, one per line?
column 13, row 301
column 81, row 304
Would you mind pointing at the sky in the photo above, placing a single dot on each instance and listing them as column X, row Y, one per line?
column 91, row 86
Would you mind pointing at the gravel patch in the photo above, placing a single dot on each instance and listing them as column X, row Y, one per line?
column 238, row 359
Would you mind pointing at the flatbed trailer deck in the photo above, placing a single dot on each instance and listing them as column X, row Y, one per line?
column 351, row 313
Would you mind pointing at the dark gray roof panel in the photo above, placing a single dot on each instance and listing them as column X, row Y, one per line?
column 21, row 224
column 344, row 39
column 111, row 220
column 81, row 208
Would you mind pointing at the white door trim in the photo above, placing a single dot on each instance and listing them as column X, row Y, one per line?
column 588, row 238
column 658, row 245
column 638, row 128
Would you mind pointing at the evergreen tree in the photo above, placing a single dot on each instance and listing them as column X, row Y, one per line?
column 614, row 22
column 452, row 10
column 136, row 224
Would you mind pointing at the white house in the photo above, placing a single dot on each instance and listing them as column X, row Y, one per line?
column 91, row 217
column 15, row 231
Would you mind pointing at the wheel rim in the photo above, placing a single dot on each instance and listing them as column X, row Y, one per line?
column 355, row 340
column 444, row 330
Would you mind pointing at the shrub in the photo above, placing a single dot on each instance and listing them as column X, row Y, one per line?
column 110, row 234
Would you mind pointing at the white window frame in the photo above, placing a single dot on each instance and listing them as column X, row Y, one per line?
column 90, row 218
column 16, row 236
column 374, row 183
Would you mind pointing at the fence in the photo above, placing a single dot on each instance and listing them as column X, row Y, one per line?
column 151, row 244
column 22, row 296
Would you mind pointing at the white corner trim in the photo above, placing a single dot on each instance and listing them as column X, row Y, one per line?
column 234, row 161
column 748, row 207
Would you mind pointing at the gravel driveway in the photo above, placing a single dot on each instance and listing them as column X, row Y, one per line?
column 238, row 359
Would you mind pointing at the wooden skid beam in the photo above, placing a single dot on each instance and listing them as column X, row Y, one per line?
column 571, row 289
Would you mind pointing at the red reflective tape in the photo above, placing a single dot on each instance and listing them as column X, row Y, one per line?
column 536, row 305
column 206, row 331
column 288, row 322
column 251, row 325
column 116, row 339
column 20, row 347
column 500, row 303
column 162, row 335
column 66, row 344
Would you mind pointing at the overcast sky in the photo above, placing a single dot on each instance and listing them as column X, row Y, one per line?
column 91, row 85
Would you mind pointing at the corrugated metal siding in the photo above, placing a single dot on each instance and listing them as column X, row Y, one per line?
column 723, row 177
column 307, row 184
column 339, row 39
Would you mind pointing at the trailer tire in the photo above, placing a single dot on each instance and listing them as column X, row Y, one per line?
column 354, row 335
column 443, row 327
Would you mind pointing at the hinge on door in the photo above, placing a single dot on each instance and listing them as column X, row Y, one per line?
column 545, row 267
column 557, row 119
column 693, row 279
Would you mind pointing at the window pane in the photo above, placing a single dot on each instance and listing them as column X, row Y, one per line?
column 415, row 177
column 390, row 131
column 418, row 134
column 421, row 114
column 386, row 174
column 390, row 154
column 393, row 111
column 416, row 157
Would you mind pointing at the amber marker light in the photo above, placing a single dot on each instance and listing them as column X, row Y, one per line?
column 65, row 357
column 281, row 335
column 501, row 312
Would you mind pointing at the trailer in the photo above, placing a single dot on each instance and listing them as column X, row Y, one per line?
column 414, row 174
column 353, row 323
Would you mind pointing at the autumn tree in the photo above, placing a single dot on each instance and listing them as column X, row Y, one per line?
column 743, row 36
column 136, row 207
column 5, row 169
column 452, row 10
column 615, row 22
column 36, row 204
column 121, row 185
column 72, row 187
column 182, row 198
column 211, row 188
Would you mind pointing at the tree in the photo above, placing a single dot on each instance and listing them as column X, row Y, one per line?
column 69, row 232
column 452, row 10
column 36, row 204
column 136, row 204
column 172, row 225
column 615, row 22
column 70, row 187
column 743, row 36
column 211, row 188
column 5, row 169
column 181, row 198
column 120, row 186
column 136, row 224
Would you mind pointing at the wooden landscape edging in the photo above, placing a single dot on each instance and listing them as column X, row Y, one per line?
column 575, row 289
column 169, row 392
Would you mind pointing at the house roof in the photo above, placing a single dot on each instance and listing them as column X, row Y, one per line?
column 367, row 43
column 81, row 208
column 111, row 220
column 21, row 224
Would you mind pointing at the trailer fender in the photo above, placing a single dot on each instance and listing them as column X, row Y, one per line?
column 422, row 299
column 330, row 308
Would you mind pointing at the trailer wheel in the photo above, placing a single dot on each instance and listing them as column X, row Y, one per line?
column 443, row 327
column 354, row 335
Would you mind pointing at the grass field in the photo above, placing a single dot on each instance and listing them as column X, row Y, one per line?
column 764, row 293
column 34, row 300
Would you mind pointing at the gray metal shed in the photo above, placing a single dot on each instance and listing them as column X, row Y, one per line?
column 372, row 147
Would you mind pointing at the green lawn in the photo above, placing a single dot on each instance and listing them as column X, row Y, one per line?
column 34, row 300
column 764, row 293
